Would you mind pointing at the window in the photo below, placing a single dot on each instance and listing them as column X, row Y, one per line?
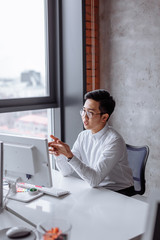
column 29, row 123
column 63, row 85
column 28, row 66
column 28, row 59
column 22, row 49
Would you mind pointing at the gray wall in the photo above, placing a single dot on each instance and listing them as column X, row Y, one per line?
column 130, row 70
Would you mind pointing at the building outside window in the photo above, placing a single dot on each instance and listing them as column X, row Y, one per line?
column 28, row 123
column 24, row 74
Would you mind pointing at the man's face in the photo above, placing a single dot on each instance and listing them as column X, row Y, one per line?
column 97, row 121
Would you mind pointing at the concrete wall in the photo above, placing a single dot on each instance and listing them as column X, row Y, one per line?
column 130, row 70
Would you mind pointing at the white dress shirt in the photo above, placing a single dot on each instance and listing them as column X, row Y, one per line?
column 100, row 159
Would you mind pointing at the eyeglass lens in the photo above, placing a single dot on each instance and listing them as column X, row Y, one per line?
column 83, row 113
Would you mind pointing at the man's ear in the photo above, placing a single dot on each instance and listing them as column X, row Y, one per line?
column 105, row 117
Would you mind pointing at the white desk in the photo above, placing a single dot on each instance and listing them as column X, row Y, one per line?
column 93, row 213
column 7, row 219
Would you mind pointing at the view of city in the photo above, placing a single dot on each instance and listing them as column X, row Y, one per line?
column 25, row 123
column 23, row 64
column 31, row 123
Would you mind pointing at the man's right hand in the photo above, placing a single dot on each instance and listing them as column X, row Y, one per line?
column 58, row 147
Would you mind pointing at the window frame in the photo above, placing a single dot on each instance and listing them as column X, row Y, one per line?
column 51, row 101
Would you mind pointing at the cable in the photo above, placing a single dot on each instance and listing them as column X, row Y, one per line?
column 6, row 198
column 11, row 189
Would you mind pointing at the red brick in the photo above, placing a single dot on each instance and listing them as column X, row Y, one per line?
column 92, row 45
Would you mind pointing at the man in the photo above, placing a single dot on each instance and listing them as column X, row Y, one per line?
column 99, row 154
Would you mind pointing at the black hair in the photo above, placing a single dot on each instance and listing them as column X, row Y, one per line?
column 106, row 101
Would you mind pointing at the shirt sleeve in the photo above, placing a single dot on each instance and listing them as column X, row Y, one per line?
column 111, row 155
column 63, row 166
column 61, row 161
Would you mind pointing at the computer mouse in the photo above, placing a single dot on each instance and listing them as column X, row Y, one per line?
column 15, row 232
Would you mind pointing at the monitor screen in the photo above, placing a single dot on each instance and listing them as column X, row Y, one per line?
column 26, row 160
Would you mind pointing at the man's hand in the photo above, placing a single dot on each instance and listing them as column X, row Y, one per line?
column 58, row 147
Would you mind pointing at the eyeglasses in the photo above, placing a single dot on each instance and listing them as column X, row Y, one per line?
column 89, row 114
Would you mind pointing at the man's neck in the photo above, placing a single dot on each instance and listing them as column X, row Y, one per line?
column 98, row 129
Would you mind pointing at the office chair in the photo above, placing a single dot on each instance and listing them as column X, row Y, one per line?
column 137, row 158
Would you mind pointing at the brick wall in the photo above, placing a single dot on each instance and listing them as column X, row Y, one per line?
column 92, row 44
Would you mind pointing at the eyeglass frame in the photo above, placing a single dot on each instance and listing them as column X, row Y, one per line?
column 87, row 112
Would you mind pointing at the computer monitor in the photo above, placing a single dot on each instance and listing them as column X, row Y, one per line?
column 26, row 159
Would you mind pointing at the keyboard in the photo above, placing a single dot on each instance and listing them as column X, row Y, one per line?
column 55, row 192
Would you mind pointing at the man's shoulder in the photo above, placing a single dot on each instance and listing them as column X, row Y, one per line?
column 84, row 133
column 83, row 137
column 113, row 133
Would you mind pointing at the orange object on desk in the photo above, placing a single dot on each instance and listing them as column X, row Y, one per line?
column 52, row 234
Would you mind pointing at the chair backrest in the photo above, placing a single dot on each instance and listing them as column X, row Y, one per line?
column 137, row 158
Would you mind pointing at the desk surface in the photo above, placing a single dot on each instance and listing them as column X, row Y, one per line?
column 93, row 213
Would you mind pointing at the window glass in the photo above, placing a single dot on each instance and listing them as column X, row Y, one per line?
column 28, row 123
column 22, row 49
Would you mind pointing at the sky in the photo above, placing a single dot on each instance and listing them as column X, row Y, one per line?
column 22, row 44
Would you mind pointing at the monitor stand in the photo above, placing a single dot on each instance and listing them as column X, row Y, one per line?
column 22, row 196
column 12, row 191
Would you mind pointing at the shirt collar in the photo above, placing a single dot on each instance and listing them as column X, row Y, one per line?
column 99, row 134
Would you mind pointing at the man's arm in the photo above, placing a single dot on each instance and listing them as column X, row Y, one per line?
column 111, row 155
column 57, row 148
column 93, row 175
